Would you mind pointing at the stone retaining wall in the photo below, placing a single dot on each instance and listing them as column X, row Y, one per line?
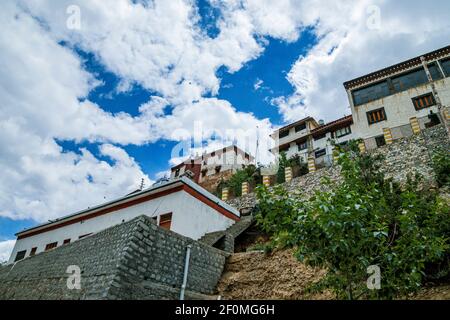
column 118, row 263
column 403, row 156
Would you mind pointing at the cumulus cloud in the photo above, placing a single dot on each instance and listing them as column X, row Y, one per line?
column 6, row 248
column 42, row 97
column 355, row 39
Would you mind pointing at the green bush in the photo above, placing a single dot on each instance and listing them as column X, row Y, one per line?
column 441, row 164
column 250, row 174
column 365, row 220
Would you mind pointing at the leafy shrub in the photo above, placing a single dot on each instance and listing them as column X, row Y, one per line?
column 365, row 220
column 250, row 174
column 441, row 164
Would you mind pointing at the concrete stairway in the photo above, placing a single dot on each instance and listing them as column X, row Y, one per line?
column 234, row 231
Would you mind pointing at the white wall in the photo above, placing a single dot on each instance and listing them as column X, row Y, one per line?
column 399, row 108
column 190, row 217
column 324, row 143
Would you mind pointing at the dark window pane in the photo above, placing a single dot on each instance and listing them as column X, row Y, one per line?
column 370, row 93
column 409, row 80
column 300, row 127
column 321, row 136
column 434, row 70
column 445, row 64
column 20, row 255
column 302, row 146
column 283, row 134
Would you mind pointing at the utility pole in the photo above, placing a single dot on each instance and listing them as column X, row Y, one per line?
column 436, row 96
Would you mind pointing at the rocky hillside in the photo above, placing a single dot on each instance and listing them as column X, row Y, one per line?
column 255, row 275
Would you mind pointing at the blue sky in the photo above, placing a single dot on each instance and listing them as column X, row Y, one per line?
column 101, row 104
column 271, row 67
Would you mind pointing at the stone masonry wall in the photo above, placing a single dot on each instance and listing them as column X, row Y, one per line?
column 133, row 260
column 44, row 275
column 403, row 156
column 157, row 256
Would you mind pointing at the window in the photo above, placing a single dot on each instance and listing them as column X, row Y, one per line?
column 283, row 134
column 84, row 235
column 20, row 255
column 380, row 141
column 247, row 156
column 371, row 93
column 302, row 145
column 165, row 221
column 320, row 153
column 424, row 101
column 375, row 116
column 342, row 132
column 51, row 246
column 67, row 241
column 435, row 72
column 283, row 148
column 218, row 168
column 204, row 172
column 33, row 251
column 445, row 64
column 409, row 80
column 300, row 127
column 213, row 154
column 321, row 136
column 177, row 172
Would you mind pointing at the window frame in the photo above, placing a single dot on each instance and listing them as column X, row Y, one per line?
column 283, row 134
column 368, row 114
column 51, row 246
column 419, row 98
column 33, row 251
column 302, row 127
column 166, row 224
column 299, row 144
column 22, row 254
column 347, row 132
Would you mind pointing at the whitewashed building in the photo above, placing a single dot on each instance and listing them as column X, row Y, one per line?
column 295, row 138
column 209, row 165
column 309, row 138
column 179, row 205
column 388, row 100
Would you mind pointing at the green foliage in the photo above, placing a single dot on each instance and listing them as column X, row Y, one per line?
column 365, row 220
column 250, row 174
column 294, row 162
column 441, row 164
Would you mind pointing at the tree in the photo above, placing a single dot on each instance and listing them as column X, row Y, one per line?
column 366, row 220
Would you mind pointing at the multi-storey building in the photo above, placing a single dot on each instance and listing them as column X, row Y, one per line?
column 309, row 138
column 208, row 169
column 385, row 103
column 295, row 138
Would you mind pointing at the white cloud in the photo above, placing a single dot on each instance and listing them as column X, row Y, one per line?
column 41, row 85
column 6, row 248
column 348, row 48
column 257, row 85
